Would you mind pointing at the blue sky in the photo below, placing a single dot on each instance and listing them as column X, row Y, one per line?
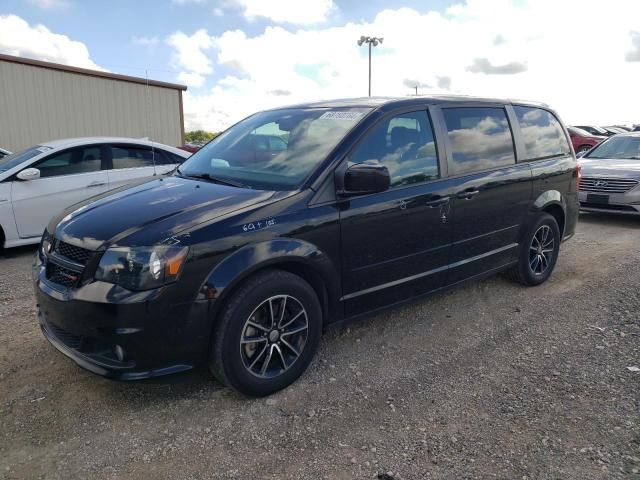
column 239, row 56
column 107, row 28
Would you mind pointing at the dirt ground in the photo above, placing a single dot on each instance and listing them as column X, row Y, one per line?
column 492, row 380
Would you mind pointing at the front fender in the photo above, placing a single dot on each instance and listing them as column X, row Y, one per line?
column 278, row 251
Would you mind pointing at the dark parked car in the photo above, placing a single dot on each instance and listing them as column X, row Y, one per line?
column 371, row 203
column 582, row 140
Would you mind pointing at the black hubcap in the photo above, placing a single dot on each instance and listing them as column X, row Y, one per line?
column 274, row 336
column 541, row 250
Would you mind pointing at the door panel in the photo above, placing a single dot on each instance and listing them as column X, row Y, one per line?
column 486, row 226
column 67, row 177
column 395, row 243
column 490, row 193
column 36, row 201
column 395, row 246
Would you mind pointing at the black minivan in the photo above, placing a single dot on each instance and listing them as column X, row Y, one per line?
column 299, row 217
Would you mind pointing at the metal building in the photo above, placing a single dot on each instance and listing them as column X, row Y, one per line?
column 42, row 101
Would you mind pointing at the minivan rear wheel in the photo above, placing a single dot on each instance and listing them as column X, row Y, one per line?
column 539, row 252
column 267, row 334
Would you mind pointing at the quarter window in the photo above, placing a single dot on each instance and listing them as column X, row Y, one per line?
column 542, row 133
column 405, row 145
column 480, row 139
column 71, row 162
column 131, row 157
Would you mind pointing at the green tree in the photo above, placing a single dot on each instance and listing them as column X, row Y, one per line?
column 199, row 136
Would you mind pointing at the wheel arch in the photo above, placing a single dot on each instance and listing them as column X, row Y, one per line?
column 553, row 203
column 292, row 255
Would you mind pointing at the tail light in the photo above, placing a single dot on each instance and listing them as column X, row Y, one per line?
column 578, row 176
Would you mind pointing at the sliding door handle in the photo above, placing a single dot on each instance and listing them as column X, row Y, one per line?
column 467, row 194
column 436, row 202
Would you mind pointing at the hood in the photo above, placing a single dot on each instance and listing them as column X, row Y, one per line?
column 149, row 213
column 609, row 167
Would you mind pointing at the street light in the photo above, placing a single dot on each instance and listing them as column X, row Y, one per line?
column 372, row 41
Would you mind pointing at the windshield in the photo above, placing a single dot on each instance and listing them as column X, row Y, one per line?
column 618, row 147
column 273, row 150
column 15, row 159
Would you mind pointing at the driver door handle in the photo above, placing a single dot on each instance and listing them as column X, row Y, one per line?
column 467, row 194
column 97, row 183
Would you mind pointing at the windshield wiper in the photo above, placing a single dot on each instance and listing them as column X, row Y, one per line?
column 211, row 178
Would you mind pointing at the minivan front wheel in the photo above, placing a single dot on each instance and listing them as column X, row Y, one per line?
column 267, row 333
column 538, row 253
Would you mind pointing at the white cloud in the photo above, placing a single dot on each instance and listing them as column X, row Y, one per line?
column 316, row 63
column 19, row 38
column 189, row 51
column 191, row 79
column 298, row 12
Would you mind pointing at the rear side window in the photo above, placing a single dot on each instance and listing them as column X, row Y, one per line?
column 125, row 156
column 480, row 139
column 542, row 133
column 162, row 157
column 405, row 145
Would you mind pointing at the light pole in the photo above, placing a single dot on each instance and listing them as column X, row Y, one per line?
column 372, row 41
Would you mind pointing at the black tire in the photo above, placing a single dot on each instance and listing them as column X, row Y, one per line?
column 229, row 360
column 523, row 272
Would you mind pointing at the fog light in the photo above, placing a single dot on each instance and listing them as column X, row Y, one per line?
column 119, row 351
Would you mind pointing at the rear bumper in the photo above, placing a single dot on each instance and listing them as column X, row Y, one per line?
column 120, row 334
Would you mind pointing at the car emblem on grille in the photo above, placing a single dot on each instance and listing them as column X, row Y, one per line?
column 601, row 183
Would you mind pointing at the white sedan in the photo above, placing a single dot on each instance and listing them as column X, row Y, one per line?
column 40, row 181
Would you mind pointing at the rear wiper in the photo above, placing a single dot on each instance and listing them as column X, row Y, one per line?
column 211, row 178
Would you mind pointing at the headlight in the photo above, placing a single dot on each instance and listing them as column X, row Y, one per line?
column 141, row 268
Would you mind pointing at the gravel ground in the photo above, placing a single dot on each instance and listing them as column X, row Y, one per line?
column 492, row 380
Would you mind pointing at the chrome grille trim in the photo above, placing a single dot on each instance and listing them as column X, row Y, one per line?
column 607, row 184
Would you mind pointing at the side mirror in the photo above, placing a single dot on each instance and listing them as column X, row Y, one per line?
column 28, row 174
column 581, row 154
column 363, row 178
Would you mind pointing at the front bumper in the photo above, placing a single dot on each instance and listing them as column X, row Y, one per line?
column 618, row 203
column 121, row 334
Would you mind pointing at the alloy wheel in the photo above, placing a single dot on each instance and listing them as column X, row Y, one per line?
column 541, row 250
column 274, row 336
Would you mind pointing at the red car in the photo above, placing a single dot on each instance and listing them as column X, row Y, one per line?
column 582, row 140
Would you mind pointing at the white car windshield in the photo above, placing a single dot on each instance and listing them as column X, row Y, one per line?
column 15, row 159
column 618, row 148
column 273, row 150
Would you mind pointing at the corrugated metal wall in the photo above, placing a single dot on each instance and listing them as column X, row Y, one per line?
column 39, row 104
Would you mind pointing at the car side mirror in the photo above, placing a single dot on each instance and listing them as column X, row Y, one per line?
column 581, row 154
column 28, row 174
column 363, row 178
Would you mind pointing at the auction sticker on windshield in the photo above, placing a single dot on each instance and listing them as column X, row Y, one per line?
column 341, row 115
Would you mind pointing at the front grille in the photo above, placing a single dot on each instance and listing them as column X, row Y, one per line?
column 607, row 185
column 62, row 276
column 73, row 253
